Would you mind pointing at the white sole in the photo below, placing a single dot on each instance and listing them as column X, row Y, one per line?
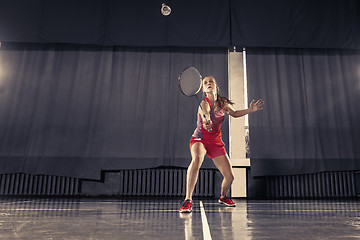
column 185, row 211
column 227, row 204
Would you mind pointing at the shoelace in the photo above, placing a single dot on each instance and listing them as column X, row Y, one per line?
column 227, row 200
column 186, row 202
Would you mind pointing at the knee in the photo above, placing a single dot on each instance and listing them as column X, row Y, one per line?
column 230, row 178
column 196, row 161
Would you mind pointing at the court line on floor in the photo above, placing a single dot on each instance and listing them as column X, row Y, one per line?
column 175, row 210
column 90, row 209
column 205, row 224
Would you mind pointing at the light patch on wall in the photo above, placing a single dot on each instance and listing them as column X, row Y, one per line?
column 0, row 68
column 358, row 79
column 2, row 72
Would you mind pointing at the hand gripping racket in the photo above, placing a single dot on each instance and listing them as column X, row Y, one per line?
column 190, row 82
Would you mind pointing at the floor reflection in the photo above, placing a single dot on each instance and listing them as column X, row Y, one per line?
column 228, row 222
column 89, row 219
column 38, row 208
column 304, row 219
column 187, row 217
column 160, row 219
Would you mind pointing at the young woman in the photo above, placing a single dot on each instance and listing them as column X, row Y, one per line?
column 206, row 139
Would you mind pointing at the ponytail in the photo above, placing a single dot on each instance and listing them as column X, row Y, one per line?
column 223, row 101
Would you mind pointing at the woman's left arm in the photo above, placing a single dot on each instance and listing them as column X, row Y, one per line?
column 254, row 106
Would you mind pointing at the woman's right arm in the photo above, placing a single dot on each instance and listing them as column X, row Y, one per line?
column 204, row 111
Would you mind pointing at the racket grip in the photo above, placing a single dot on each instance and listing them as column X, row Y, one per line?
column 206, row 120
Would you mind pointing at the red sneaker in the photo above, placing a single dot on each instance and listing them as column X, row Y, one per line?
column 186, row 206
column 227, row 201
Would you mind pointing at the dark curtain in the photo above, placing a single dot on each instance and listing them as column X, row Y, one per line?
column 311, row 119
column 296, row 24
column 74, row 110
column 200, row 23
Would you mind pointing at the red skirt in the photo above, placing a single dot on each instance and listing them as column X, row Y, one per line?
column 214, row 147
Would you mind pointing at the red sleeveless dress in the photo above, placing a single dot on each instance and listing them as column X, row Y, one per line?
column 212, row 140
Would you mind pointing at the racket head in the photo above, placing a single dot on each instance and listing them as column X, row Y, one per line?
column 190, row 81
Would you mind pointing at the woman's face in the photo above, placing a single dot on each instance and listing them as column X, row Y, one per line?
column 209, row 84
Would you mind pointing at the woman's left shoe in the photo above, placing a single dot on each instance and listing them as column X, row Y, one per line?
column 227, row 201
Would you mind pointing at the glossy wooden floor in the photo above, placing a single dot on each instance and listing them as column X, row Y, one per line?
column 159, row 219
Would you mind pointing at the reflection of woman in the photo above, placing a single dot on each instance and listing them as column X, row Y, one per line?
column 207, row 140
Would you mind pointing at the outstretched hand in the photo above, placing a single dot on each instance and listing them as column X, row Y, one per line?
column 255, row 106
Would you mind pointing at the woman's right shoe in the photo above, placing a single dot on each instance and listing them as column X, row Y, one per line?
column 186, row 206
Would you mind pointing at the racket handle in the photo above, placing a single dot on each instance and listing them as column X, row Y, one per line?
column 206, row 120
column 202, row 111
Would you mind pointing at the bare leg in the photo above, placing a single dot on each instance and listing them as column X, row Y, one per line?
column 224, row 165
column 197, row 154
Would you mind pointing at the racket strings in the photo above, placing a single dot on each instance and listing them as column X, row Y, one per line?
column 190, row 81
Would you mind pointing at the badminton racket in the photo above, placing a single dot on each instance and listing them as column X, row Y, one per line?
column 190, row 82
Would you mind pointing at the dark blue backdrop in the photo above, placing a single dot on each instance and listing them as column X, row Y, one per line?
column 201, row 23
column 311, row 119
column 76, row 110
